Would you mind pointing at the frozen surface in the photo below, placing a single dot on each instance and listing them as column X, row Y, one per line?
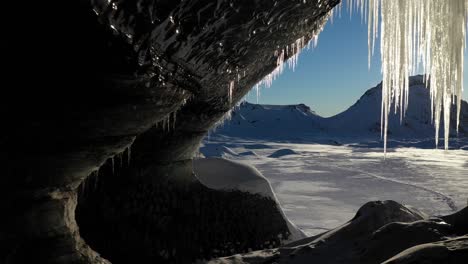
column 323, row 169
column 223, row 174
column 322, row 186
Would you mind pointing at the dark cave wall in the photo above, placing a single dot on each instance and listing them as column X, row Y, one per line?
column 91, row 76
column 152, row 203
column 164, row 221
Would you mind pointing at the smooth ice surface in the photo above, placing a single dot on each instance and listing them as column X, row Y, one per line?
column 323, row 186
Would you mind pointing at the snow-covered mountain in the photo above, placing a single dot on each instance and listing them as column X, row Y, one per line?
column 256, row 121
column 361, row 120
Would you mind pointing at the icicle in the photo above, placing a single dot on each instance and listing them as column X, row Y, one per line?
column 291, row 52
column 297, row 46
column 96, row 177
column 83, row 187
column 165, row 123
column 129, row 154
column 257, row 90
column 168, row 122
column 113, row 165
column 162, row 125
column 427, row 32
column 230, row 91
column 174, row 120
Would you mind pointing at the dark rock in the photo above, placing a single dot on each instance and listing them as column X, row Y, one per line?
column 164, row 221
column 378, row 232
column 450, row 251
column 85, row 78
column 459, row 221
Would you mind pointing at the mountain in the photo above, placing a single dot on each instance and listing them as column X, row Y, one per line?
column 361, row 120
column 270, row 122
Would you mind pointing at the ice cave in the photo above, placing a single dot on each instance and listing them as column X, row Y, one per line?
column 108, row 104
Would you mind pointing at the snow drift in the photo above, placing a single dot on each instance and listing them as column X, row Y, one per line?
column 223, row 174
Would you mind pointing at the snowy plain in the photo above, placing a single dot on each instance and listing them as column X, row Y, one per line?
column 243, row 177
column 323, row 170
column 322, row 186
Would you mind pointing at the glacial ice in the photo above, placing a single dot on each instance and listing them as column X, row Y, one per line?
column 414, row 33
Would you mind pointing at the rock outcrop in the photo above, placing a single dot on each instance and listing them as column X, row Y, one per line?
column 381, row 232
column 450, row 251
column 168, row 223
column 86, row 78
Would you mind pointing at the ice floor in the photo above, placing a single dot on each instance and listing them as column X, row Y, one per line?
column 322, row 186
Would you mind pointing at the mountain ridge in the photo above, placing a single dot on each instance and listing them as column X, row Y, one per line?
column 361, row 120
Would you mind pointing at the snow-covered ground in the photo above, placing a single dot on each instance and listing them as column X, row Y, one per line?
column 322, row 186
column 323, row 169
column 243, row 177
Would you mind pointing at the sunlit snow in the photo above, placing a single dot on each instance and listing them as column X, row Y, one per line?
column 323, row 169
column 321, row 186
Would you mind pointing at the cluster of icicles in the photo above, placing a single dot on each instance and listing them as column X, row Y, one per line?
column 294, row 49
column 414, row 34
column 289, row 56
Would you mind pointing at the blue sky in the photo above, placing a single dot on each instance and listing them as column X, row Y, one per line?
column 334, row 75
